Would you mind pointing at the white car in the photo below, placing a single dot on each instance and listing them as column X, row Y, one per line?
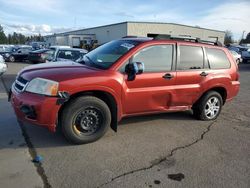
column 236, row 56
column 3, row 66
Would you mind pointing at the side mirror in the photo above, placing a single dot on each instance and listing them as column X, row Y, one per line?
column 132, row 69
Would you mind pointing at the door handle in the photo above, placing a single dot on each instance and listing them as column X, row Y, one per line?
column 168, row 76
column 204, row 74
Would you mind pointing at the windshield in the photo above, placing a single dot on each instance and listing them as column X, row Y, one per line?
column 106, row 55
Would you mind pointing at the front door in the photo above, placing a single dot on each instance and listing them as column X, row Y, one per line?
column 152, row 90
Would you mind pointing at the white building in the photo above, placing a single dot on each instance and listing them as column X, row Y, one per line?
column 110, row 32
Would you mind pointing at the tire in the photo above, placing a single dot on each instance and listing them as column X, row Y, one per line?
column 206, row 111
column 85, row 120
column 12, row 59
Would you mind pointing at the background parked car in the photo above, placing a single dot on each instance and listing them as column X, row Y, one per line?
column 70, row 54
column 38, row 45
column 56, row 53
column 245, row 55
column 7, row 51
column 3, row 66
column 237, row 48
column 21, row 54
column 40, row 56
column 236, row 56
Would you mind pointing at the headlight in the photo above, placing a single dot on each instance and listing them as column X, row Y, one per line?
column 43, row 86
column 7, row 55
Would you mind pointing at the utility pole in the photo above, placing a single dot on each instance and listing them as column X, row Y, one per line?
column 243, row 34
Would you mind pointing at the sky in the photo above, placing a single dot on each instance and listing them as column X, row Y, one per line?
column 53, row 16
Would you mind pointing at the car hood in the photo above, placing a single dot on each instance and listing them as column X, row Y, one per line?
column 57, row 71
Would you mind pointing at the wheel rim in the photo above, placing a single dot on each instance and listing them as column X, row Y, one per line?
column 88, row 121
column 212, row 107
column 12, row 59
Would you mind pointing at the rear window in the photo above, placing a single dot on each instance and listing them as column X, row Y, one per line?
column 191, row 57
column 217, row 59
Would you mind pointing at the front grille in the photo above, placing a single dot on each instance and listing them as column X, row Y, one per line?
column 20, row 84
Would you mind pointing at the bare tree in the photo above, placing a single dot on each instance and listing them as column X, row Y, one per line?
column 228, row 38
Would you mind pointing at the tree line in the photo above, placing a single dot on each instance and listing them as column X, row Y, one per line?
column 229, row 39
column 18, row 38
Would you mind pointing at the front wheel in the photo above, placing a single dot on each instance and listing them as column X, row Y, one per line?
column 12, row 59
column 85, row 120
column 208, row 107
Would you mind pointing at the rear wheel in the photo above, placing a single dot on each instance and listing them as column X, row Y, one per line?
column 208, row 107
column 85, row 120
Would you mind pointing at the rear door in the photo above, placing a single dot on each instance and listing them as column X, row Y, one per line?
column 152, row 90
column 191, row 72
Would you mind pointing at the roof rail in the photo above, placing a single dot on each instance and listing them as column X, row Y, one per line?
column 183, row 38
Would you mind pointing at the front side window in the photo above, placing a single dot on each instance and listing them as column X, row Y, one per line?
column 191, row 57
column 106, row 55
column 157, row 58
column 217, row 59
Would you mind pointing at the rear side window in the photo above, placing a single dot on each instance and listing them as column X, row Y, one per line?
column 155, row 58
column 217, row 59
column 191, row 57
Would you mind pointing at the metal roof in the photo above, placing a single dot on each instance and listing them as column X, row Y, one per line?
column 139, row 22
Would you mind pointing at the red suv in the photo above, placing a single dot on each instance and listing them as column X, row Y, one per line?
column 126, row 77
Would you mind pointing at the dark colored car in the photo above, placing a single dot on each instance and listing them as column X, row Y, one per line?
column 126, row 77
column 41, row 56
column 7, row 54
column 21, row 54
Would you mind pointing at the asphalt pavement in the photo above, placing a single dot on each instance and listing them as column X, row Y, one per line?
column 16, row 168
column 166, row 150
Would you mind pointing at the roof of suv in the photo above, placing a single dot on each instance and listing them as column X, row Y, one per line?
column 174, row 39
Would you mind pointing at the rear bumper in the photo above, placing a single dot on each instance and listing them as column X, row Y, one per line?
column 35, row 109
column 36, row 59
column 234, row 90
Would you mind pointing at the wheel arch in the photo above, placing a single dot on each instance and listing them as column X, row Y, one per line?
column 107, row 97
column 220, row 89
